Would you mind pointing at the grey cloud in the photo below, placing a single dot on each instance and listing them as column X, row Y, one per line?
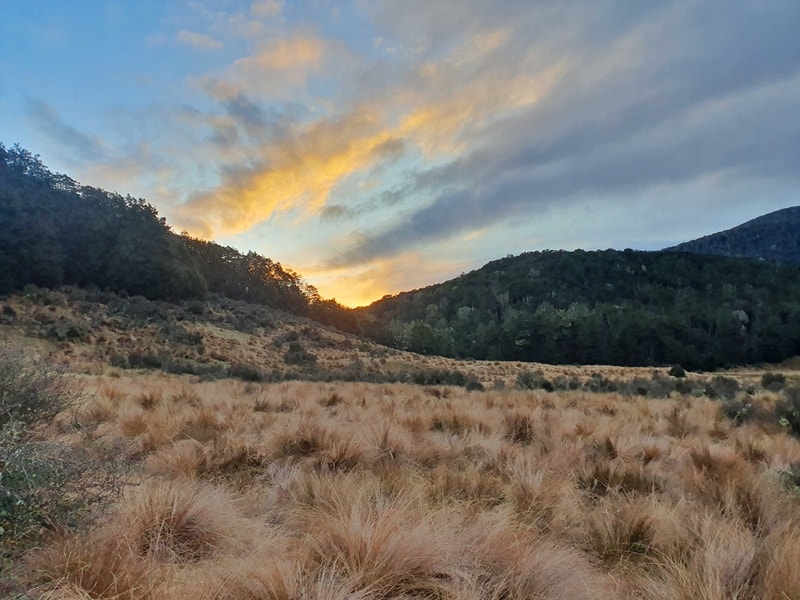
column 50, row 122
column 245, row 111
column 709, row 88
column 334, row 212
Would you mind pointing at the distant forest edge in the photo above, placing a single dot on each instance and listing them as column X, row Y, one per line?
column 607, row 307
column 54, row 231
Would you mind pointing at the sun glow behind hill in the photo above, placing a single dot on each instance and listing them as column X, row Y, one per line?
column 340, row 138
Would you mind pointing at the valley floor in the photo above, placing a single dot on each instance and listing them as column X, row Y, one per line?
column 353, row 490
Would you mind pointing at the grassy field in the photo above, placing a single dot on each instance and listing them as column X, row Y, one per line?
column 156, row 485
column 317, row 490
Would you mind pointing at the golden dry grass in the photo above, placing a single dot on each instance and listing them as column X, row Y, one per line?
column 312, row 490
column 353, row 490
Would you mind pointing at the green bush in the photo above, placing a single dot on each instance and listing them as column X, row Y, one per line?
column 31, row 390
column 787, row 410
column 297, row 355
column 773, row 381
column 533, row 380
column 677, row 371
column 723, row 387
column 43, row 484
column 246, row 372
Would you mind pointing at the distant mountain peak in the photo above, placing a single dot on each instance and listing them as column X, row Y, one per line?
column 773, row 237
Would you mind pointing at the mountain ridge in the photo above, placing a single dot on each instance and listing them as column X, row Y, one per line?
column 774, row 236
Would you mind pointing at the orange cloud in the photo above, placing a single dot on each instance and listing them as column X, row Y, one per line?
column 437, row 116
column 283, row 55
column 299, row 173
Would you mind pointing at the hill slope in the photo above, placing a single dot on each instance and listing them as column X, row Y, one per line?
column 57, row 232
column 774, row 237
column 609, row 307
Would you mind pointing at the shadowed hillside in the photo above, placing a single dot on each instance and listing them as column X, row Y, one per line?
column 611, row 307
column 772, row 237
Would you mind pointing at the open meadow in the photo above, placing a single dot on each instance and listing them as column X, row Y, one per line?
column 321, row 490
column 235, row 482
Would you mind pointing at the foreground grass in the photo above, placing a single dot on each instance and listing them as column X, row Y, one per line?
column 310, row 490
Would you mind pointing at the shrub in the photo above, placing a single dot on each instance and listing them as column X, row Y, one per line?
column 677, row 371
column 31, row 391
column 44, row 485
column 737, row 410
column 297, row 355
column 66, row 329
column 445, row 377
column 195, row 308
column 246, row 372
column 533, row 380
column 722, row 387
column 773, row 381
column 599, row 384
column 788, row 410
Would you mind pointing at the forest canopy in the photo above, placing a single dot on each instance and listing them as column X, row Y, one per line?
column 605, row 307
column 57, row 232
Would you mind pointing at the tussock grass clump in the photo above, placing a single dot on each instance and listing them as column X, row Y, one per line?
column 394, row 491
column 178, row 521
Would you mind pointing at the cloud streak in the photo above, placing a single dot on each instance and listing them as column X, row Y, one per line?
column 198, row 40
column 47, row 119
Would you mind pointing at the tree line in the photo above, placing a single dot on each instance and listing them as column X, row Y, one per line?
column 54, row 232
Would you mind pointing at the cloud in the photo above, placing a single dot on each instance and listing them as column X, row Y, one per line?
column 334, row 212
column 428, row 125
column 302, row 52
column 47, row 119
column 265, row 9
column 665, row 104
column 299, row 167
column 198, row 40
column 295, row 172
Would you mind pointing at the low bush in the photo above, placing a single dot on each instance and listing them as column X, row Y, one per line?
column 773, row 381
column 722, row 387
column 445, row 377
column 677, row 371
column 44, row 485
column 297, row 355
column 246, row 372
column 787, row 410
column 533, row 380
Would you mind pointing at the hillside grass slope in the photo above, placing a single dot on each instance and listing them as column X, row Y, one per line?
column 554, row 483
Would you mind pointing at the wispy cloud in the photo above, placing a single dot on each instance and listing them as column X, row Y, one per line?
column 302, row 166
column 198, row 40
column 266, row 9
column 48, row 121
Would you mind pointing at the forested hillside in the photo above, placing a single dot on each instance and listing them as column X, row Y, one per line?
column 57, row 232
column 609, row 307
column 773, row 237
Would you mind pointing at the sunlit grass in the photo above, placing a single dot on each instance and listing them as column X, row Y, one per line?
column 317, row 490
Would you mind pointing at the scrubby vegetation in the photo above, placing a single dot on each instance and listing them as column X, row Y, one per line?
column 205, row 439
column 45, row 484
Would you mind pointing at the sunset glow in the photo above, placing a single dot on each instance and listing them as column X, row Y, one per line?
column 376, row 147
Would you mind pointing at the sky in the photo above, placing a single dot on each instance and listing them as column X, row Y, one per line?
column 377, row 146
